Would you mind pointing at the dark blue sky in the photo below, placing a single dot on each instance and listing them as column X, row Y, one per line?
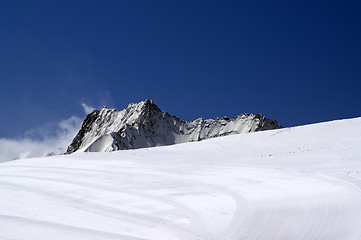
column 297, row 62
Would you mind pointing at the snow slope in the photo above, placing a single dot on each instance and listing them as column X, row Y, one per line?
column 299, row 183
column 143, row 125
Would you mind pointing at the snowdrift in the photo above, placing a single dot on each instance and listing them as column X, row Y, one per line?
column 296, row 183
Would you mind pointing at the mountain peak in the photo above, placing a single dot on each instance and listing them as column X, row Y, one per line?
column 149, row 105
column 149, row 101
column 144, row 124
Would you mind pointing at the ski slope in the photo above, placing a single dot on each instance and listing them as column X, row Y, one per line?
column 296, row 183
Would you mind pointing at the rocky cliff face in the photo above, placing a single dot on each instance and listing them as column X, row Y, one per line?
column 145, row 125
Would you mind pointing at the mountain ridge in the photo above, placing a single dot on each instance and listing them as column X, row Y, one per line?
column 144, row 124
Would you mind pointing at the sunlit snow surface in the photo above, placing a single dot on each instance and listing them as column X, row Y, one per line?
column 294, row 183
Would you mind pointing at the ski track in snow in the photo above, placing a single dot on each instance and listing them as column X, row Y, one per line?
column 276, row 185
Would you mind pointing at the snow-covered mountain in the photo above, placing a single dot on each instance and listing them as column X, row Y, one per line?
column 145, row 125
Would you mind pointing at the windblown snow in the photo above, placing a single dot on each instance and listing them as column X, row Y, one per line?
column 143, row 125
column 300, row 183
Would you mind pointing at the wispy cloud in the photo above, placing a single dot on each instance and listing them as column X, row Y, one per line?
column 47, row 140
column 50, row 139
column 87, row 109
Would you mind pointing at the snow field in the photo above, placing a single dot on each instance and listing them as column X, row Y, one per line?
column 298, row 183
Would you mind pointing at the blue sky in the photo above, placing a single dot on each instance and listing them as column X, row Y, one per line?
column 298, row 62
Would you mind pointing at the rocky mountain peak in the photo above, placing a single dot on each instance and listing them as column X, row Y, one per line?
column 144, row 124
column 149, row 108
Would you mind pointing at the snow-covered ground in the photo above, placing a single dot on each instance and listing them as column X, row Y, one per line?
column 295, row 183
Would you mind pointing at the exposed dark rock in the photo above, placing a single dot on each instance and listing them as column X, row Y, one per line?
column 89, row 120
